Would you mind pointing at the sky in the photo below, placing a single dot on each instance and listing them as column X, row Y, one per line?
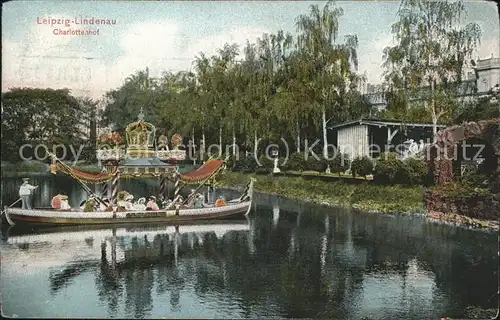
column 167, row 36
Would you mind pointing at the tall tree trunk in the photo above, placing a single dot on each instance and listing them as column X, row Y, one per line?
column 325, row 139
column 220, row 141
column 434, row 115
column 193, row 146
column 298, row 136
column 234, row 141
column 202, row 148
column 255, row 142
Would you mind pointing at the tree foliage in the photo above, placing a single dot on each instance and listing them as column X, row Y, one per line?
column 43, row 116
column 273, row 89
column 423, row 71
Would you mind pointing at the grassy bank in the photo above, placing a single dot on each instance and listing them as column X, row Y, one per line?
column 385, row 199
column 39, row 168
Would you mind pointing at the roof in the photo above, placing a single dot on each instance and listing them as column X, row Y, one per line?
column 145, row 162
column 204, row 172
column 383, row 123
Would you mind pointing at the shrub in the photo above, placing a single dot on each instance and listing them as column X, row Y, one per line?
column 249, row 164
column 415, row 171
column 235, row 162
column 387, row 168
column 314, row 164
column 362, row 166
column 340, row 163
column 266, row 164
column 460, row 191
column 296, row 162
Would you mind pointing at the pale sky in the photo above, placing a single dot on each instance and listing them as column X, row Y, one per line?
column 166, row 35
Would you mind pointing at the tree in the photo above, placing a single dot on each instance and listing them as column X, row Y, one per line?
column 330, row 74
column 427, row 62
column 41, row 116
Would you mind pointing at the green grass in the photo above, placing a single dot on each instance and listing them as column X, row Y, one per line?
column 364, row 196
column 323, row 174
column 37, row 166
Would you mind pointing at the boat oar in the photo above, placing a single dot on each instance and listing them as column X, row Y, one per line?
column 211, row 176
column 9, row 221
column 199, row 187
column 11, row 205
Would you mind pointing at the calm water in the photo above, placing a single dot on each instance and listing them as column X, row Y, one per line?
column 287, row 260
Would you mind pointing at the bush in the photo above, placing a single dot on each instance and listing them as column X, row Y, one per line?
column 362, row 166
column 235, row 162
column 266, row 164
column 387, row 168
column 460, row 191
column 314, row 164
column 249, row 164
column 416, row 171
column 339, row 164
column 296, row 162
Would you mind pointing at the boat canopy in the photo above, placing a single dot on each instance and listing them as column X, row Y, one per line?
column 82, row 175
column 209, row 169
column 144, row 167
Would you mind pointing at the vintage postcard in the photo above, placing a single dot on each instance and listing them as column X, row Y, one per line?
column 250, row 159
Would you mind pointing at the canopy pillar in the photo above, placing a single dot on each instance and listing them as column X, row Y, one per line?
column 163, row 187
column 114, row 187
column 177, row 185
column 105, row 189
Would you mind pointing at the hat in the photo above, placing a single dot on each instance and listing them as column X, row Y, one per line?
column 26, row 179
column 152, row 197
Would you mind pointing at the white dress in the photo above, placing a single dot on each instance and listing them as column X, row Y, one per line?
column 65, row 205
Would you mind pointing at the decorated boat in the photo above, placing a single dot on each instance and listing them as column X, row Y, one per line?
column 142, row 157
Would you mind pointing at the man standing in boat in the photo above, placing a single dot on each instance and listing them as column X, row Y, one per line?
column 25, row 193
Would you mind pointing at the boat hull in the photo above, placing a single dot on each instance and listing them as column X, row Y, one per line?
column 48, row 217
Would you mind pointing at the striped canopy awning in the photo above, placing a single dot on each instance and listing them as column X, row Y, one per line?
column 209, row 169
column 86, row 177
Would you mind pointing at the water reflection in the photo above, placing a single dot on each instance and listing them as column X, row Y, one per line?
column 310, row 262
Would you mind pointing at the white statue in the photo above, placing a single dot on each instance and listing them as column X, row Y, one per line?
column 276, row 169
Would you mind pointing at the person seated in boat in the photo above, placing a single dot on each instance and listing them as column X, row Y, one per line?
column 166, row 204
column 140, row 204
column 198, row 201
column 221, row 201
column 191, row 198
column 90, row 205
column 65, row 203
column 151, row 205
column 128, row 202
column 160, row 201
column 121, row 201
column 60, row 202
column 106, row 206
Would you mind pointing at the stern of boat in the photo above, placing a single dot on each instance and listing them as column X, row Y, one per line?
column 250, row 194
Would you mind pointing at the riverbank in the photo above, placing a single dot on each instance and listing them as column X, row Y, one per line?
column 365, row 197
